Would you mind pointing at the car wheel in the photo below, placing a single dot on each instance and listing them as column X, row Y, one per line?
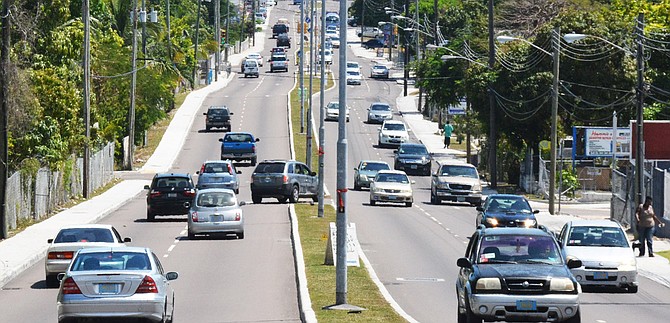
column 282, row 200
column 295, row 194
column 51, row 281
column 191, row 235
column 356, row 186
column 256, row 199
column 373, row 202
column 433, row 199
column 253, row 161
column 150, row 216
column 632, row 289
column 379, row 144
column 469, row 316
column 315, row 198
column 240, row 235
column 408, row 204
column 575, row 319
column 207, row 129
column 462, row 318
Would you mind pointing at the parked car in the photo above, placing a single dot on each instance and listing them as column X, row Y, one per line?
column 455, row 181
column 514, row 274
column 218, row 174
column 71, row 238
column 169, row 194
column 333, row 111
column 391, row 186
column 370, row 32
column 354, row 78
column 506, row 210
column 379, row 71
column 392, row 133
column 216, row 211
column 608, row 260
column 217, row 117
column 278, row 63
column 379, row 112
column 366, row 171
column 116, row 282
column 239, row 146
column 250, row 68
column 285, row 180
column 412, row 157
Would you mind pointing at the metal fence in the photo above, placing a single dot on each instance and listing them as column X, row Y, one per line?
column 34, row 197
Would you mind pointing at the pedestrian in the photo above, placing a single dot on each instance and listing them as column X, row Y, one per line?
column 448, row 129
column 646, row 222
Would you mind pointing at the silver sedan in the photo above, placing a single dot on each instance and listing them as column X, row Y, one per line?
column 117, row 282
column 216, row 210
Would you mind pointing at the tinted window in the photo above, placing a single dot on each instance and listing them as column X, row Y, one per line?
column 414, row 150
column 392, row 178
column 217, row 112
column 111, row 261
column 518, row 248
column 218, row 168
column 507, row 204
column 84, row 235
column 463, row 171
column 215, row 199
column 380, row 107
column 238, row 138
column 171, row 182
column 278, row 58
column 597, row 236
column 374, row 166
column 270, row 168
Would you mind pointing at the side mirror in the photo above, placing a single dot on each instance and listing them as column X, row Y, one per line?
column 231, row 113
column 312, row 174
column 242, row 203
column 146, row 187
column 50, row 240
column 60, row 276
column 172, row 275
column 395, row 151
column 197, row 172
column 480, row 209
column 204, row 113
column 536, row 211
column 356, row 168
column 127, row 239
column 258, row 139
column 412, row 182
column 220, row 139
column 463, row 263
column 238, row 172
column 574, row 263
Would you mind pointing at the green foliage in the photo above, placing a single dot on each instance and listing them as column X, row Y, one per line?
column 569, row 181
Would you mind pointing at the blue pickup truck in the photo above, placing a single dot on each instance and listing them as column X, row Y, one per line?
column 239, row 146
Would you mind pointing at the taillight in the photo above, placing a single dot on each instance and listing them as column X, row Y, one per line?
column 70, row 287
column 189, row 193
column 237, row 216
column 155, row 193
column 61, row 255
column 285, row 179
column 148, row 285
column 194, row 216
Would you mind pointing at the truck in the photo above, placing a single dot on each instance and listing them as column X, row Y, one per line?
column 278, row 29
column 239, row 146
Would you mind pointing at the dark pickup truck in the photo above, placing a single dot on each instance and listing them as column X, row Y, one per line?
column 279, row 29
column 239, row 146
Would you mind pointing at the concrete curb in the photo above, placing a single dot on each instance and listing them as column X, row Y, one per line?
column 307, row 314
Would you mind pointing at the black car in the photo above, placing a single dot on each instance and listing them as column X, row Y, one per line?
column 514, row 274
column 283, row 41
column 169, row 194
column 373, row 43
column 506, row 210
column 217, row 117
column 412, row 158
column 279, row 29
column 285, row 180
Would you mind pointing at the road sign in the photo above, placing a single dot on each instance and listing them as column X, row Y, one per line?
column 307, row 20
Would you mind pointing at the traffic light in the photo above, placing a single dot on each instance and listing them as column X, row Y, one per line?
column 223, row 36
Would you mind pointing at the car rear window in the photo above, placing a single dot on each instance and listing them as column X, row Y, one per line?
column 215, row 199
column 238, row 138
column 269, row 168
column 217, row 168
column 223, row 112
column 84, row 235
column 172, row 182
column 111, row 261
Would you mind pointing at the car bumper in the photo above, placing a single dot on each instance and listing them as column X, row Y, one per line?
column 354, row 82
column 379, row 75
column 391, row 197
column 469, row 197
column 392, row 141
column 549, row 308
column 413, row 167
column 55, row 266
column 379, row 119
column 237, row 156
column 172, row 208
column 215, row 124
column 609, row 278
column 271, row 191
column 216, row 227
column 332, row 116
column 146, row 306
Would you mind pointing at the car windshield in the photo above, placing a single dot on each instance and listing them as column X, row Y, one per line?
column 215, row 199
column 374, row 166
column 270, row 168
column 392, row 178
column 333, row 37
column 513, row 248
column 333, row 105
column 413, row 150
column 462, row 171
column 238, row 138
column 379, row 67
column 507, row 204
column 84, row 235
column 352, row 65
column 380, row 107
column 278, row 58
column 172, row 182
column 353, row 73
column 254, row 56
column 111, row 261
column 394, row 126
column 217, row 168
column 218, row 112
column 597, row 237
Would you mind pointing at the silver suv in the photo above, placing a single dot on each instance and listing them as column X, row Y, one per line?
column 455, row 181
column 285, row 180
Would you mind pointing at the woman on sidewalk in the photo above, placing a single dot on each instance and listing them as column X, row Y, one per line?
column 646, row 224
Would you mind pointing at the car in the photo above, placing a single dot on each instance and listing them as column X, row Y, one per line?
column 366, row 171
column 218, row 174
column 378, row 112
column 353, row 66
column 391, row 186
column 250, row 68
column 216, row 211
column 455, row 181
column 332, row 33
column 372, row 44
column 607, row 256
column 260, row 18
column 277, row 50
column 71, row 238
column 169, row 194
column 515, row 274
column 279, row 28
column 328, row 57
column 335, row 40
column 354, row 78
column 239, row 146
column 352, row 21
column 270, row 3
column 333, row 111
column 218, row 117
column 257, row 56
column 297, row 2
column 334, row 28
column 283, row 40
column 506, row 210
column 412, row 157
column 278, row 63
column 116, row 282
column 285, row 180
column 392, row 133
column 370, row 32
column 379, row 71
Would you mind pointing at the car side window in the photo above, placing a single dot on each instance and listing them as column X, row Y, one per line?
column 471, row 244
column 159, row 267
column 290, row 169
column 561, row 236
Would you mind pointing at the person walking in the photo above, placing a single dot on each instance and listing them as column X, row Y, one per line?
column 646, row 222
column 448, row 129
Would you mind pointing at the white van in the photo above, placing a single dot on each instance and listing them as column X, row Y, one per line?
column 250, row 68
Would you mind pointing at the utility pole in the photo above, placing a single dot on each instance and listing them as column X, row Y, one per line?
column 406, row 54
column 639, row 152
column 167, row 23
column 4, row 107
column 301, row 57
column 556, row 45
column 133, row 84
column 493, row 131
column 322, row 123
column 217, row 33
column 196, row 77
column 253, row 17
column 312, row 46
column 225, row 47
column 87, row 97
column 143, row 13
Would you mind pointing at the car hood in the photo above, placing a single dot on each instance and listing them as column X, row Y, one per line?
column 523, row 270
column 509, row 216
column 392, row 186
column 368, row 173
column 459, row 180
column 394, row 133
column 597, row 255
column 413, row 156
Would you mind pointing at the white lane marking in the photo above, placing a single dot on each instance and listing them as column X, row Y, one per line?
column 420, row 279
column 165, row 255
column 183, row 232
column 171, row 248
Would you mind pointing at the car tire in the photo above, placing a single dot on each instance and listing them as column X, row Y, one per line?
column 256, row 199
column 150, row 216
column 577, row 318
column 470, row 317
column 237, row 191
column 373, row 203
column 282, row 200
column 51, row 281
column 295, row 194
column 632, row 289
column 433, row 198
column 207, row 129
column 240, row 236
column 191, row 235
column 254, row 160
column 356, row 186
column 315, row 198
column 408, row 204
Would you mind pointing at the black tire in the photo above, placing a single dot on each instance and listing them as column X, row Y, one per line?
column 632, row 289
column 254, row 160
column 408, row 204
column 150, row 216
column 434, row 199
column 282, row 200
column 577, row 318
column 356, row 186
column 295, row 194
column 237, row 191
column 51, row 281
column 462, row 318
column 207, row 129
column 315, row 198
column 240, row 235
column 256, row 199
column 469, row 316
column 373, row 202
column 191, row 235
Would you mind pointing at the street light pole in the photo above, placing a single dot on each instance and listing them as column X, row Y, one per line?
column 133, row 84
column 195, row 48
column 639, row 152
column 322, row 124
column 225, row 47
column 556, row 45
column 406, row 55
column 312, row 46
column 217, row 33
column 301, row 57
column 493, row 129
column 87, row 98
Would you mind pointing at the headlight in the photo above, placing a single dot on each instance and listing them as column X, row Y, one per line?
column 406, row 191
column 477, row 187
column 488, row 284
column 443, row 185
column 378, row 190
column 561, row 285
column 529, row 223
column 363, row 177
column 424, row 160
column 628, row 265
column 492, row 221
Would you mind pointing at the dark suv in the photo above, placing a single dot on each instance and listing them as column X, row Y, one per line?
column 412, row 158
column 217, row 117
column 506, row 210
column 169, row 194
column 283, row 180
column 514, row 274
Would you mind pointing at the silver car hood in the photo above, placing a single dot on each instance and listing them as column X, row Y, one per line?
column 459, row 180
column 591, row 254
column 392, row 186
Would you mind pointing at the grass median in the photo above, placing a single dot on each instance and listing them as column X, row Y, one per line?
column 361, row 290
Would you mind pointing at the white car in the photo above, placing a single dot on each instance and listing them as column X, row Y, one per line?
column 392, row 133
column 608, row 260
column 333, row 111
column 335, row 40
column 354, row 77
column 353, row 66
column 256, row 56
column 328, row 57
column 391, row 186
column 331, row 33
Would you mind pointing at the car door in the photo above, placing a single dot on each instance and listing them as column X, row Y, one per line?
column 169, row 292
column 464, row 272
column 311, row 180
column 300, row 171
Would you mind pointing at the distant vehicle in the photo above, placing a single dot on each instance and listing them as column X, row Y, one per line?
column 218, row 174
column 250, row 68
column 278, row 63
column 169, row 194
column 260, row 18
column 335, row 40
column 257, row 56
column 379, row 71
column 335, row 28
column 352, row 21
column 372, row 43
column 392, row 133
column 270, row 3
column 353, row 66
column 366, row 171
column 506, row 210
column 455, row 181
column 239, row 146
column 378, row 112
column 217, row 117
column 118, row 282
column 278, row 29
column 372, row 32
column 354, row 78
column 297, row 1
column 283, row 41
column 70, row 239
column 216, row 211
column 328, row 57
column 278, row 50
column 412, row 157
column 391, row 186
column 607, row 257
column 332, row 33
column 332, row 19
column 333, row 111
column 285, row 180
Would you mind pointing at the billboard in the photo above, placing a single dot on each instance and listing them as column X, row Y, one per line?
column 594, row 142
column 655, row 132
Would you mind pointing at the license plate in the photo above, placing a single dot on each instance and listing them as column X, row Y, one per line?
column 526, row 305
column 236, row 154
column 460, row 199
column 413, row 167
column 392, row 197
column 599, row 275
column 108, row 288
column 216, row 218
column 172, row 194
column 268, row 179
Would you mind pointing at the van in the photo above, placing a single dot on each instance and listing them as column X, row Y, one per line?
column 250, row 68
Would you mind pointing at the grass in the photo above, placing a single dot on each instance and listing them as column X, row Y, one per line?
column 665, row 254
column 361, row 290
